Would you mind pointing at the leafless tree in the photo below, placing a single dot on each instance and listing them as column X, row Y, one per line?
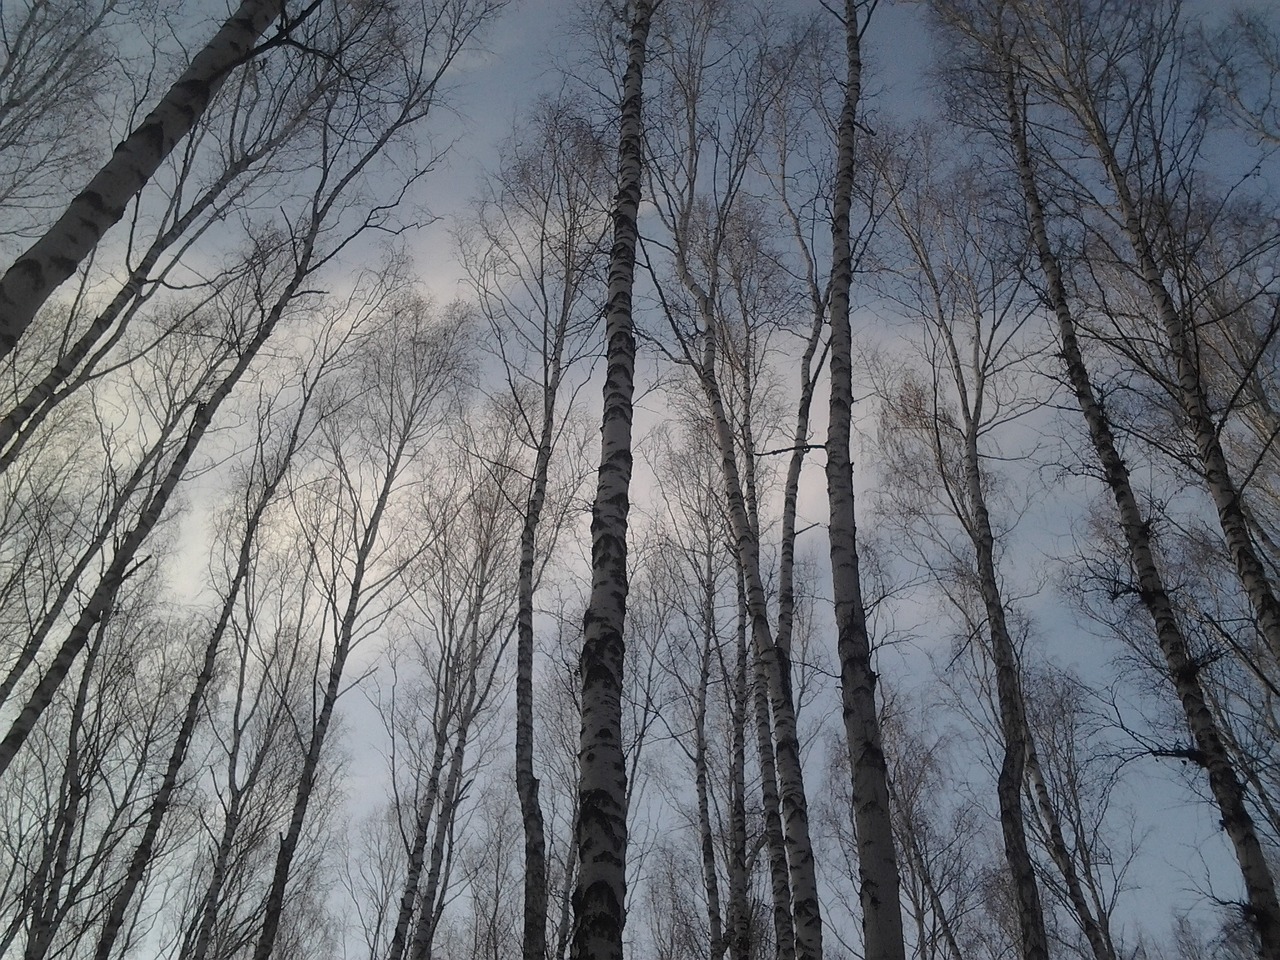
column 601, row 824
column 535, row 253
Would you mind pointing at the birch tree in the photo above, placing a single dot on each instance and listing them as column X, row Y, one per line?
column 534, row 253
column 283, row 259
column 33, row 277
column 963, row 283
column 994, row 29
column 722, row 310
column 878, row 869
column 601, row 830
column 459, row 622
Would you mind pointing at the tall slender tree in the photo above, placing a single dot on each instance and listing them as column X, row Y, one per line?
column 879, row 880
column 599, row 900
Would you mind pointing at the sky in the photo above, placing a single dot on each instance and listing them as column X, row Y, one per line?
column 519, row 61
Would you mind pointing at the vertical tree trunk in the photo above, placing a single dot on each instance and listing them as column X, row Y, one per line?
column 779, row 878
column 1012, row 709
column 599, row 898
column 706, row 840
column 879, row 880
column 534, row 937
column 738, row 935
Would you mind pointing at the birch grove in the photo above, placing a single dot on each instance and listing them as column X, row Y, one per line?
column 667, row 478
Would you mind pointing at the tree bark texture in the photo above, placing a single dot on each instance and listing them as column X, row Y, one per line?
column 55, row 256
column 879, row 880
column 599, row 897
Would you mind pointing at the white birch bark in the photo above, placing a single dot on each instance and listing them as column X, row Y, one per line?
column 738, row 935
column 55, row 256
column 599, row 898
column 112, row 579
column 411, row 895
column 1072, row 82
column 1013, row 717
column 1227, row 498
column 879, row 879
column 805, row 906
column 76, row 364
column 706, row 841
column 784, row 934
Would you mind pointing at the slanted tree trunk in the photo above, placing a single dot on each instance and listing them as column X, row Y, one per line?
column 1191, row 393
column 411, row 896
column 55, row 256
column 77, row 363
column 1183, row 670
column 1099, row 940
column 916, row 861
column 1012, row 709
column 435, row 888
column 806, row 917
column 599, row 898
column 879, row 879
column 113, row 578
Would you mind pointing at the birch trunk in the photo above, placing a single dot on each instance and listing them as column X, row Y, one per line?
column 879, row 880
column 1227, row 498
column 1013, row 717
column 599, row 897
column 273, row 904
column 706, row 841
column 779, row 878
column 738, row 936
column 436, row 887
column 54, row 257
column 410, row 897
column 805, row 908
column 121, row 563
column 1099, row 939
column 76, row 364
column 534, row 938
column 52, row 615
column 1183, row 671
column 158, row 808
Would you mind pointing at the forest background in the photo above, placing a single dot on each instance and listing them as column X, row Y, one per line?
column 299, row 438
